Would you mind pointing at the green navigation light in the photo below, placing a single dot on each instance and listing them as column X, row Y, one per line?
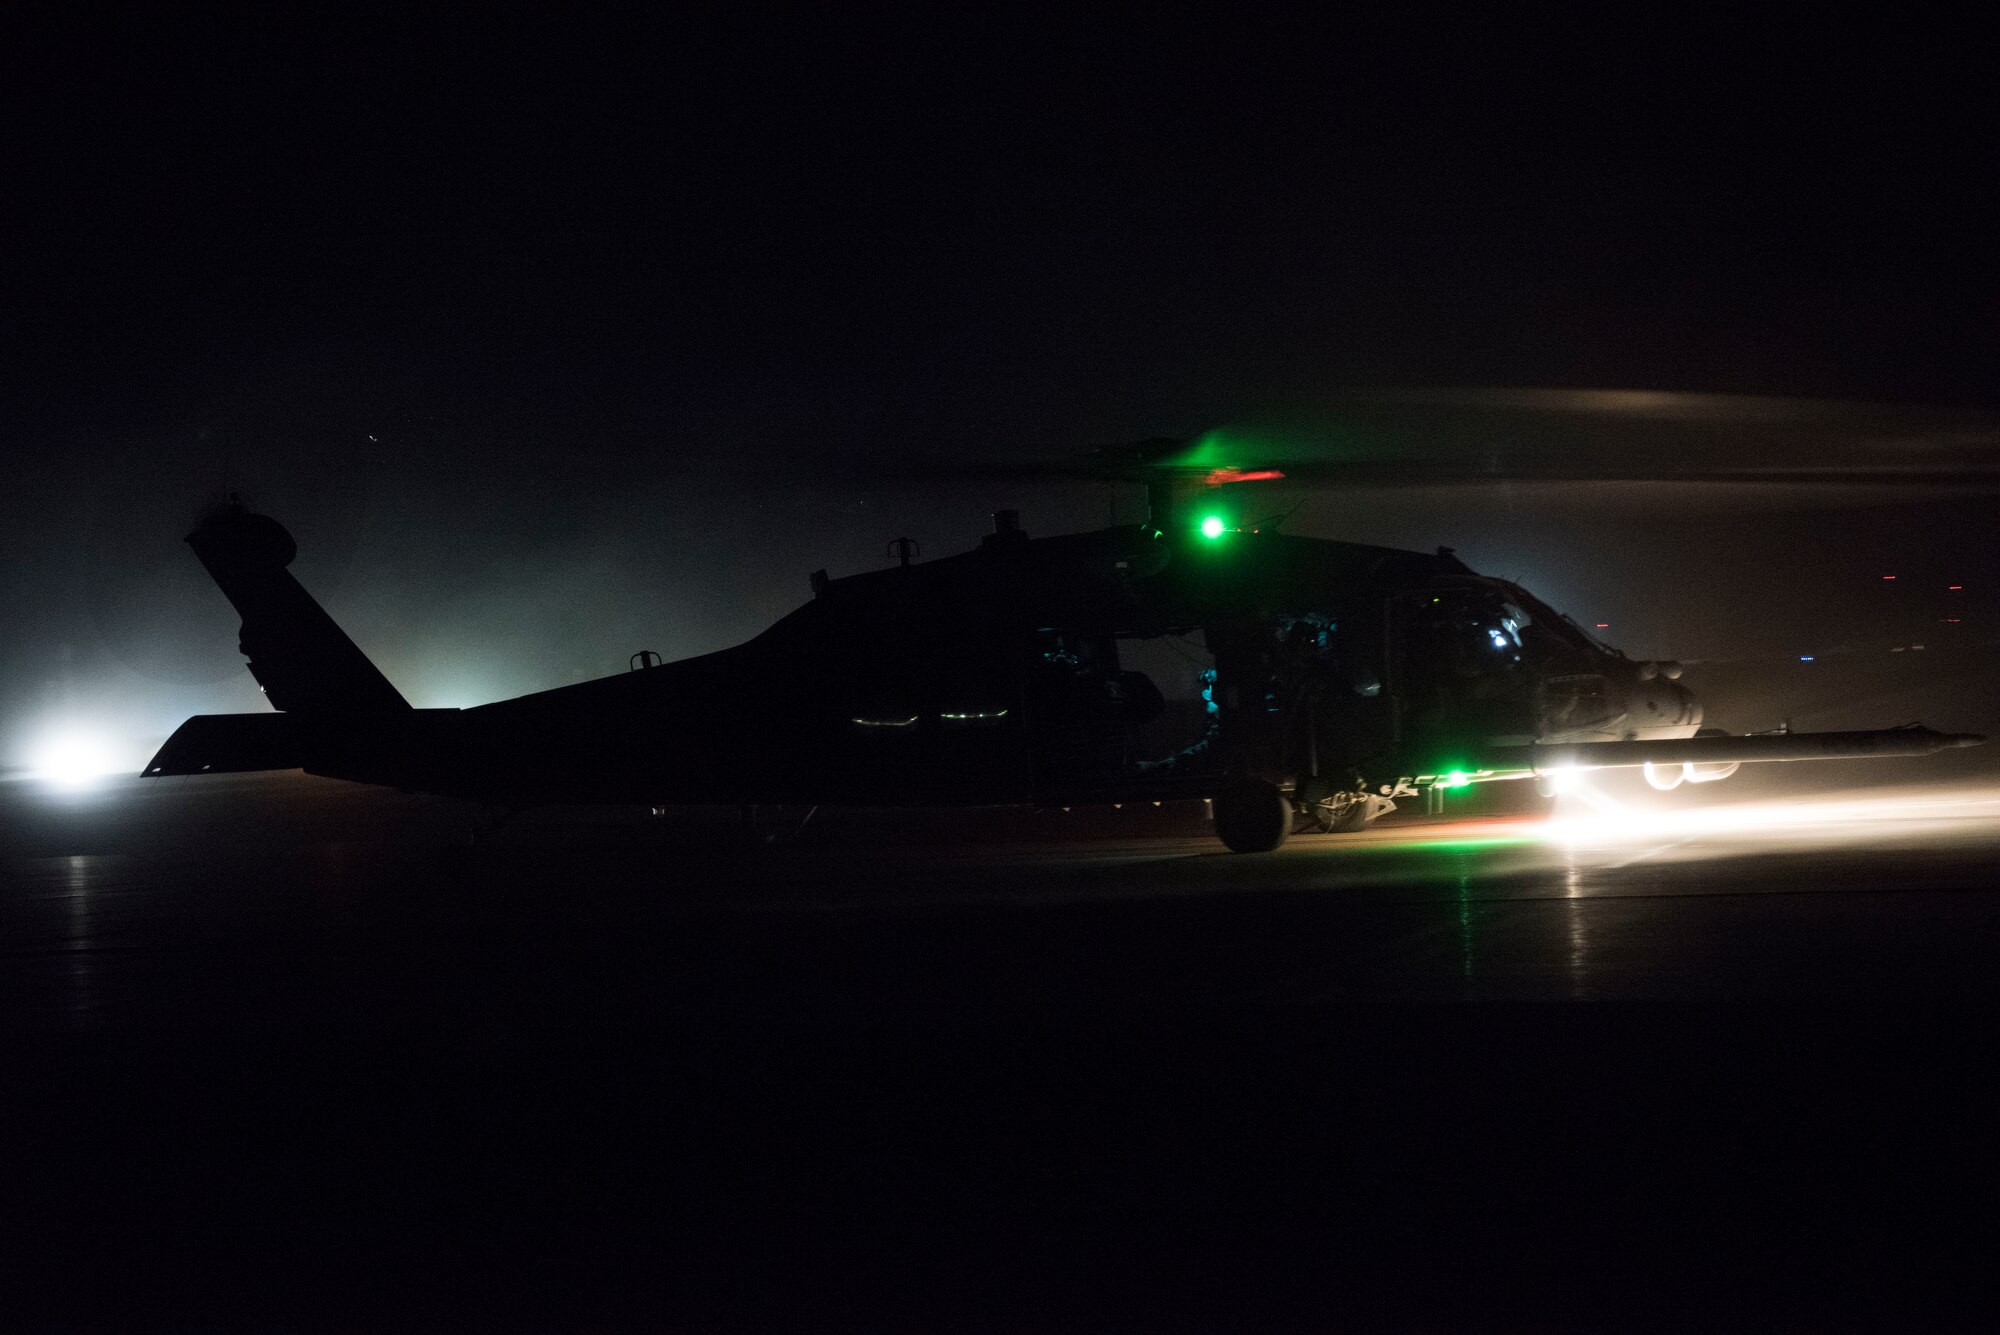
column 1212, row 527
column 1458, row 778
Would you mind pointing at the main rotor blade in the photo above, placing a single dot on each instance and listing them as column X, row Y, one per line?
column 1449, row 437
column 1423, row 438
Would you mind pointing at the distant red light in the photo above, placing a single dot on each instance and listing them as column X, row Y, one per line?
column 1953, row 588
column 1888, row 577
column 1604, row 625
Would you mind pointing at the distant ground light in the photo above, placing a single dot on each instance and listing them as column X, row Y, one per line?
column 69, row 758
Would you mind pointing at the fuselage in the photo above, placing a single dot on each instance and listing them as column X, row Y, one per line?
column 995, row 676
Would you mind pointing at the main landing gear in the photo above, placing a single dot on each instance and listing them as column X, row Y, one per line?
column 1334, row 810
column 1253, row 816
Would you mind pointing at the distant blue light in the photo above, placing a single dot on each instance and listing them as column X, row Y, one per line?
column 1805, row 658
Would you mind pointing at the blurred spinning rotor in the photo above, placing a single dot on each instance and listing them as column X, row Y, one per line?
column 1374, row 439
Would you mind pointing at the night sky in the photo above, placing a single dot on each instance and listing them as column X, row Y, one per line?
column 555, row 336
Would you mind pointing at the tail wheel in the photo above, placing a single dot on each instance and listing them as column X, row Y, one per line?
column 1252, row 816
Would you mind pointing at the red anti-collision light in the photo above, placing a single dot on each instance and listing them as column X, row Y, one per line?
column 1218, row 477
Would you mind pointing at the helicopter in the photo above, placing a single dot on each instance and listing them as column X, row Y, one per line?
column 1334, row 678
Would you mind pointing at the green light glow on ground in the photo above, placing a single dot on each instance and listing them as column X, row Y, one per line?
column 1212, row 527
column 1422, row 848
column 1492, row 841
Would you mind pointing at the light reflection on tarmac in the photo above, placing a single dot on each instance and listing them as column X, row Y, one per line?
column 132, row 902
column 1619, row 1068
column 1592, row 825
column 1864, row 818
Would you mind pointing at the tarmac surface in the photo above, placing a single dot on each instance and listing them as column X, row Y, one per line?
column 279, row 1056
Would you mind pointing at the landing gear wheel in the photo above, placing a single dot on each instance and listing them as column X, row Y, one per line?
column 1252, row 816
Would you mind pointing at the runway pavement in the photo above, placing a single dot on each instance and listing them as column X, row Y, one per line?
column 275, row 1057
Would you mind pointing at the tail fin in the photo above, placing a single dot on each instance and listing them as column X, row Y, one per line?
column 304, row 662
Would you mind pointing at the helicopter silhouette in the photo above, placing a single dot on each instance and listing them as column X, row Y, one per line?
column 1331, row 679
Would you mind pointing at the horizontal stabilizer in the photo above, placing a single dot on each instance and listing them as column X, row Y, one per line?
column 229, row 744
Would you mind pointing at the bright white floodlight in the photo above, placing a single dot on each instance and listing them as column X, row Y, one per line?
column 71, row 760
